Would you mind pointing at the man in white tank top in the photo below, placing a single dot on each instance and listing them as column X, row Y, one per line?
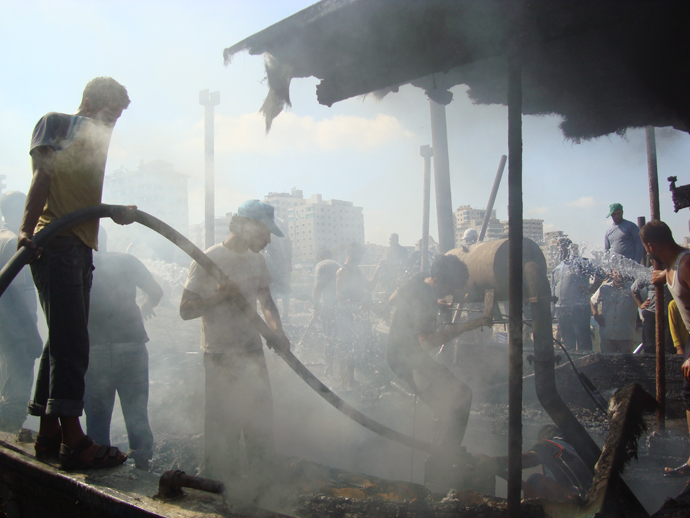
column 659, row 243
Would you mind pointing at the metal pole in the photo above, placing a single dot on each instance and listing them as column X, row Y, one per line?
column 427, row 153
column 658, row 290
column 515, row 277
column 444, row 205
column 492, row 197
column 209, row 102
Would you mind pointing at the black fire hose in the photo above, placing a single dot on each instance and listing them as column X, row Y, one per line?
column 14, row 266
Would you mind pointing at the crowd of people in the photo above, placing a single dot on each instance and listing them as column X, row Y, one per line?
column 96, row 347
column 611, row 301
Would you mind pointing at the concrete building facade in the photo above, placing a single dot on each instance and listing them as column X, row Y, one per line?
column 315, row 223
column 155, row 187
column 466, row 217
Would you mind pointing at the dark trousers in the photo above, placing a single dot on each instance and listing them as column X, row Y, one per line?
column 649, row 333
column 573, row 323
column 685, row 391
column 63, row 277
column 123, row 369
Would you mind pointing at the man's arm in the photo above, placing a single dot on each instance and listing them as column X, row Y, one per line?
column 316, row 295
column 42, row 165
column 194, row 306
column 638, row 300
column 593, row 306
column 270, row 311
column 154, row 294
column 499, row 464
column 452, row 331
column 607, row 243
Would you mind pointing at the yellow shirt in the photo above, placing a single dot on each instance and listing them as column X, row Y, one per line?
column 81, row 148
column 678, row 331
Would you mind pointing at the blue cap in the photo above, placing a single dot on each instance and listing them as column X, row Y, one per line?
column 260, row 211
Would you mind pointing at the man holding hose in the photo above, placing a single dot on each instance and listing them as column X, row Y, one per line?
column 68, row 156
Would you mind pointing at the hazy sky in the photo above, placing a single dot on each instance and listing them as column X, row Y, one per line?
column 361, row 150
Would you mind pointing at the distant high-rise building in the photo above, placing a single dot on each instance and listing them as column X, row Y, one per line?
column 315, row 223
column 197, row 233
column 554, row 234
column 155, row 187
column 531, row 229
column 466, row 217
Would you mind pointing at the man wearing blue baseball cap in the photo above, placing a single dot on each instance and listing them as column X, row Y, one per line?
column 238, row 391
column 623, row 236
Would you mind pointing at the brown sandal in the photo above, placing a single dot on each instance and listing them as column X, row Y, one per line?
column 48, row 447
column 106, row 456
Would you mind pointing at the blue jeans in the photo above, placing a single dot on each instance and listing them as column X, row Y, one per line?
column 573, row 321
column 63, row 277
column 121, row 368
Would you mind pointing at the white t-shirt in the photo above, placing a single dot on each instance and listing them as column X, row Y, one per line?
column 225, row 328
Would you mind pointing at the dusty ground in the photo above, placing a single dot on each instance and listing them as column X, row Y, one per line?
column 308, row 428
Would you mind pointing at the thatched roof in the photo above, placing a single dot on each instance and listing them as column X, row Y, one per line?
column 603, row 65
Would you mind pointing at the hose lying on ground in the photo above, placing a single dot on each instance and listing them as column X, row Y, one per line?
column 17, row 262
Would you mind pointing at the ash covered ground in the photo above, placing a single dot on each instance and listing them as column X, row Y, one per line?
column 309, row 429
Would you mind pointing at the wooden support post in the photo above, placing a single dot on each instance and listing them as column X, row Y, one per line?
column 658, row 290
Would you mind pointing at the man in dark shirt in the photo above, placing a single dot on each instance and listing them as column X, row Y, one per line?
column 414, row 336
column 118, row 359
column 622, row 237
column 565, row 476
column 20, row 342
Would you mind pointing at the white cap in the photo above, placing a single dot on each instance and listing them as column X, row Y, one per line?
column 470, row 233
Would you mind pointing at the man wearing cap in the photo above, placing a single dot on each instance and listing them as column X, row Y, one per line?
column 238, row 391
column 623, row 236
column 470, row 237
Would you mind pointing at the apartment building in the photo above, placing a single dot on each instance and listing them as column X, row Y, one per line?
column 315, row 223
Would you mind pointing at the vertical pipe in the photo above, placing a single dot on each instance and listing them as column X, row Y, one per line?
column 492, row 197
column 444, row 205
column 515, row 278
column 658, row 290
column 209, row 168
column 209, row 102
column 646, row 260
column 426, row 153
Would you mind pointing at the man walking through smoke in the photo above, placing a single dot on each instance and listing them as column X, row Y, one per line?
column 20, row 343
column 238, row 391
column 68, row 154
column 119, row 361
column 414, row 337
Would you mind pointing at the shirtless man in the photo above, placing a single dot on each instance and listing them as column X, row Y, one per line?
column 659, row 243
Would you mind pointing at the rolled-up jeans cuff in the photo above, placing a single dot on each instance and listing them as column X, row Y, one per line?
column 64, row 408
column 36, row 409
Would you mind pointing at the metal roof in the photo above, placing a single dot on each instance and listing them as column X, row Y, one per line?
column 604, row 66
